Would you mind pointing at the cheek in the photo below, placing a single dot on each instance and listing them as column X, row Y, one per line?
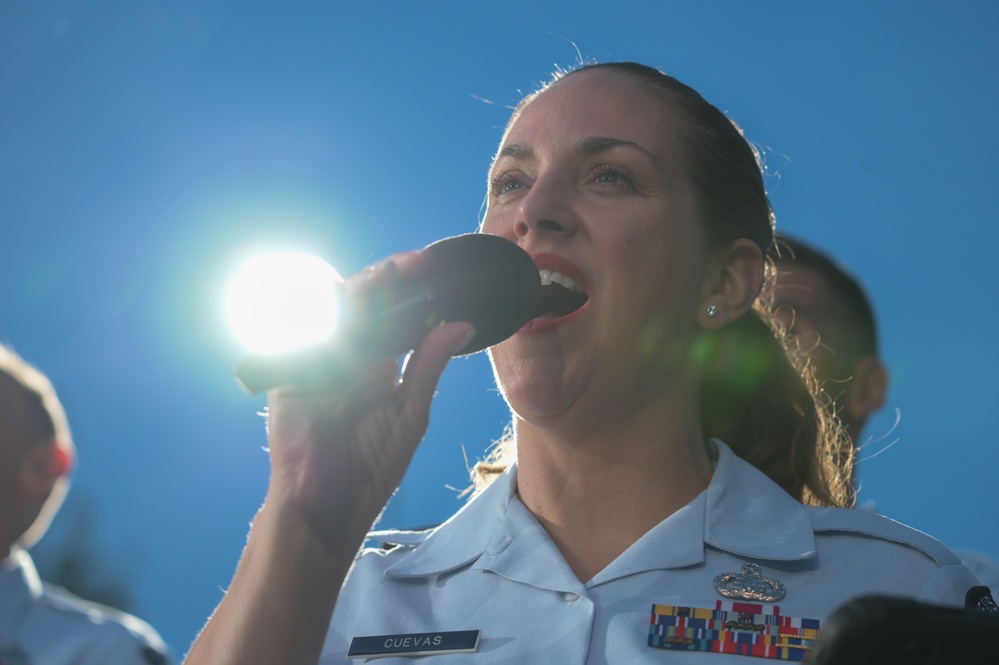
column 511, row 363
column 621, row 243
column 497, row 224
column 632, row 253
column 506, row 370
column 638, row 226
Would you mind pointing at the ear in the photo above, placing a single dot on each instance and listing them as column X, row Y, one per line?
column 866, row 389
column 42, row 465
column 733, row 280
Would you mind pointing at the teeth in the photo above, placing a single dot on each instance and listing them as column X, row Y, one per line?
column 548, row 276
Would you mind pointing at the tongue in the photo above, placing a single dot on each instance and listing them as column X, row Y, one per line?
column 556, row 301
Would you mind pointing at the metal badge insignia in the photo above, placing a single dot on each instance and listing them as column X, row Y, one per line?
column 749, row 585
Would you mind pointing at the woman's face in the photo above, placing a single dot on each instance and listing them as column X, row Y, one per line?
column 590, row 181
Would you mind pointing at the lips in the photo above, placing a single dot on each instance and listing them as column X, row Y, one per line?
column 564, row 294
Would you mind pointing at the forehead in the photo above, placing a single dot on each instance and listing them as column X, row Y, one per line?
column 598, row 102
column 802, row 285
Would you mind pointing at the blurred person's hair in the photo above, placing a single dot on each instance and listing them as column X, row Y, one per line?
column 858, row 337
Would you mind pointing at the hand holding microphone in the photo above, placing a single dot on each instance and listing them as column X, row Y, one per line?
column 342, row 426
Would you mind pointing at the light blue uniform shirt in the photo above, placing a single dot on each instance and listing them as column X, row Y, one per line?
column 493, row 568
column 44, row 625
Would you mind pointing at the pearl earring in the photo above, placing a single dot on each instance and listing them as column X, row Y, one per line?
column 711, row 310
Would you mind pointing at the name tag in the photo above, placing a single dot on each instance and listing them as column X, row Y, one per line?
column 414, row 644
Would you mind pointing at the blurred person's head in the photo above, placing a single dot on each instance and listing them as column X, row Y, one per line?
column 36, row 452
column 827, row 310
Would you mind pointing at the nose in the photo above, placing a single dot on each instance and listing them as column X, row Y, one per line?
column 546, row 209
column 523, row 227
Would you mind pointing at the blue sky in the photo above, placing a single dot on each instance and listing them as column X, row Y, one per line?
column 146, row 147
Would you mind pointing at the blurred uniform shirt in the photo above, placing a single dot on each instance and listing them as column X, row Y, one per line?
column 44, row 625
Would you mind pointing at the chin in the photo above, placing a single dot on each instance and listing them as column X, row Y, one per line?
column 533, row 386
column 532, row 400
column 535, row 413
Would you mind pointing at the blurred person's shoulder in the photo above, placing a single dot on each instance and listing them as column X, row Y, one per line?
column 101, row 623
column 53, row 626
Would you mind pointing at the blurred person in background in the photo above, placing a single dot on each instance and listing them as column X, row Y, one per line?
column 41, row 624
column 830, row 317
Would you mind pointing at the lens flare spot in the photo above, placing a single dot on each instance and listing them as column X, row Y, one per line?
column 283, row 301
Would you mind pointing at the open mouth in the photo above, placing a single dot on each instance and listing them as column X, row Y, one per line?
column 559, row 295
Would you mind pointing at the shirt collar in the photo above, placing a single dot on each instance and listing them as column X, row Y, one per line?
column 741, row 512
column 463, row 538
column 18, row 571
column 749, row 515
column 19, row 586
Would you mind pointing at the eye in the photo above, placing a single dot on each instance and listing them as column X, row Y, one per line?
column 504, row 184
column 612, row 176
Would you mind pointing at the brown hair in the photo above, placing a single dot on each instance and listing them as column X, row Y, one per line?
column 756, row 396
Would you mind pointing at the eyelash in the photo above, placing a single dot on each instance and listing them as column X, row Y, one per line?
column 496, row 184
column 603, row 169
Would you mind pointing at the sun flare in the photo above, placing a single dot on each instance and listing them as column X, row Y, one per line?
column 282, row 301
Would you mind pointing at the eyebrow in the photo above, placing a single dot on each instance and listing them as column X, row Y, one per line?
column 589, row 146
column 597, row 144
column 516, row 151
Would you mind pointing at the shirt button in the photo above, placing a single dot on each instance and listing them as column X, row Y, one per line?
column 570, row 597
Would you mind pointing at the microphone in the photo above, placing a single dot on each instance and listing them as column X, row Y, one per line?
column 485, row 280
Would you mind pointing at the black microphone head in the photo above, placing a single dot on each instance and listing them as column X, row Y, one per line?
column 486, row 280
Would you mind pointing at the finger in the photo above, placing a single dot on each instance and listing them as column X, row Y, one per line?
column 424, row 367
column 401, row 265
column 369, row 388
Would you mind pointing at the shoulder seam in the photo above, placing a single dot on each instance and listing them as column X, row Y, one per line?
column 861, row 522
